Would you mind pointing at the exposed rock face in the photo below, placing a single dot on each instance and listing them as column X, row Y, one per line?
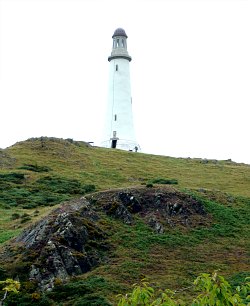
column 122, row 205
column 73, row 239
column 62, row 243
column 156, row 225
column 160, row 207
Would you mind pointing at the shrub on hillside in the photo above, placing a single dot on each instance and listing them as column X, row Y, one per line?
column 15, row 216
column 63, row 185
column 46, row 191
column 164, row 181
column 13, row 177
column 213, row 290
column 35, row 168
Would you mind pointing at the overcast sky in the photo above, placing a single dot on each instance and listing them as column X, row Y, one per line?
column 190, row 72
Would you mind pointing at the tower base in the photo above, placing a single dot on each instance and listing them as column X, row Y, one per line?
column 121, row 144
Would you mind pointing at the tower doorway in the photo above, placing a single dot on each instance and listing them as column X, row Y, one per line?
column 113, row 143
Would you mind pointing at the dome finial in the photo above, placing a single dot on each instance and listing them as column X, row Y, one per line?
column 120, row 32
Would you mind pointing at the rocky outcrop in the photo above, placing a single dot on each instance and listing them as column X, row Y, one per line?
column 68, row 242
column 122, row 206
column 73, row 239
column 159, row 207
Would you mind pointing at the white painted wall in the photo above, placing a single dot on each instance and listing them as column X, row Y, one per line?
column 119, row 104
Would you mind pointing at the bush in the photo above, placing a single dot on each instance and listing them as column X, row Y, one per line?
column 64, row 185
column 83, row 292
column 88, row 188
column 213, row 289
column 93, row 300
column 25, row 218
column 15, row 216
column 25, row 299
column 46, row 191
column 16, row 178
column 35, row 168
column 164, row 181
column 3, row 273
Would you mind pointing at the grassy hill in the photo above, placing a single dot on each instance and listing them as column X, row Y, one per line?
column 115, row 168
column 38, row 174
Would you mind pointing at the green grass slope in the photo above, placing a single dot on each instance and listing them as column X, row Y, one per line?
column 115, row 168
column 38, row 174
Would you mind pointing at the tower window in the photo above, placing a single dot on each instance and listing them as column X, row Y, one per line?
column 116, row 67
column 117, row 43
column 115, row 117
column 114, row 134
column 122, row 43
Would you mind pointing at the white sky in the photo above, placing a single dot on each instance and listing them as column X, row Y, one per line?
column 190, row 72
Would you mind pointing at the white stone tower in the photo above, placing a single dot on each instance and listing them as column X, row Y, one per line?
column 119, row 129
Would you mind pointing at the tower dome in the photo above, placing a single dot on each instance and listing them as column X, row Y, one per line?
column 120, row 32
column 119, row 49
